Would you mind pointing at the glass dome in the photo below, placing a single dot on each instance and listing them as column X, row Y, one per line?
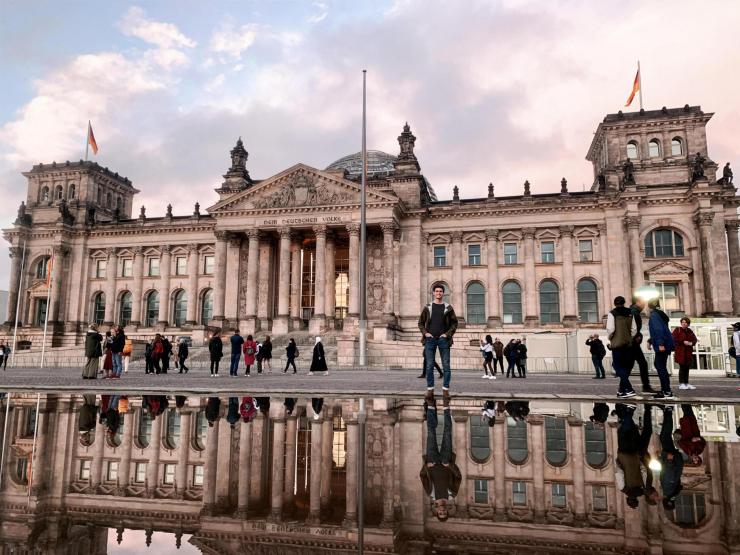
column 379, row 164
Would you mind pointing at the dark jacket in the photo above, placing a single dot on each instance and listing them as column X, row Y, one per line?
column 92, row 344
column 182, row 350
column 621, row 335
column 637, row 315
column 166, row 347
column 236, row 344
column 660, row 333
column 118, row 342
column 318, row 362
column 291, row 349
column 510, row 350
column 498, row 348
column 266, row 350
column 213, row 408
column 670, row 475
column 455, row 478
column 216, row 348
column 689, row 429
column 521, row 352
column 596, row 346
column 684, row 353
column 449, row 320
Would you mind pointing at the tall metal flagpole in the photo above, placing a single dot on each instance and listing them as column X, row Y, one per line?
column 5, row 436
column 363, row 235
column 48, row 307
column 18, row 305
column 87, row 140
column 639, row 82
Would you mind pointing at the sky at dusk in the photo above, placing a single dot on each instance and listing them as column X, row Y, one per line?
column 494, row 91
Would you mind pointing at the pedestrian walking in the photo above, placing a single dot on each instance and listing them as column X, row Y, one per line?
column 684, row 339
column 437, row 324
column 182, row 355
column 93, row 352
column 318, row 360
column 510, row 354
column 661, row 341
column 486, row 348
column 291, row 352
column 128, row 349
column 117, row 344
column 689, row 437
column 149, row 357
column 107, row 355
column 166, row 354
column 266, row 351
column 157, row 354
column 424, row 365
column 216, row 350
column 621, row 329
column 598, row 352
column 734, row 349
column 488, row 413
column 521, row 357
column 498, row 350
column 636, row 308
column 250, row 350
column 236, row 352
column 440, row 477
column 8, row 351
column 258, row 358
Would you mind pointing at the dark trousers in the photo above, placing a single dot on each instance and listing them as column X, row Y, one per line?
column 598, row 365
column 157, row 364
column 683, row 373
column 214, row 365
column 149, row 367
column 249, row 366
column 498, row 361
column 435, row 454
column 165, row 363
column 661, row 365
column 430, row 351
column 317, row 403
column 510, row 369
column 521, row 367
column 639, row 357
column 666, row 433
column 622, row 361
column 234, row 368
column 291, row 361
column 182, row 364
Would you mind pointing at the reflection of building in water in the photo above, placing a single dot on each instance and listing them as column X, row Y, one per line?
column 287, row 483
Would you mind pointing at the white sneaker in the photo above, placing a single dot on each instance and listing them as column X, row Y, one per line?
column 689, row 386
column 491, row 377
column 484, row 376
column 682, row 386
column 310, row 373
column 316, row 416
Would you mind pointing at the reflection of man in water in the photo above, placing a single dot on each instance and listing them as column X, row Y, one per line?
column 671, row 462
column 439, row 475
column 634, row 478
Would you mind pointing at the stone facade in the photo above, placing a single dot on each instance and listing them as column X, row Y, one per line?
column 282, row 253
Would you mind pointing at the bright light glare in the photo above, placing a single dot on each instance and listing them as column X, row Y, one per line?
column 654, row 465
column 647, row 293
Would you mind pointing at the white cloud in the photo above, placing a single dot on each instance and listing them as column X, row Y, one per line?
column 163, row 35
column 322, row 10
column 232, row 41
column 215, row 83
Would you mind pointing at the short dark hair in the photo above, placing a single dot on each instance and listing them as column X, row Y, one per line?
column 443, row 518
column 687, row 319
column 438, row 286
column 619, row 301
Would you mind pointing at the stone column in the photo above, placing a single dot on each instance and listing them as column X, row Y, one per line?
column 60, row 253
column 397, row 274
column 295, row 282
column 709, row 265
column 425, row 254
column 193, row 299
column 314, row 515
column 290, row 454
column 457, row 285
column 733, row 247
column 354, row 270
column 327, row 439
column 245, row 450
column 570, row 312
column 388, row 422
column 331, row 282
column 576, row 452
column 460, row 442
column 494, row 307
column 16, row 254
column 136, row 294
column 165, row 266
column 389, row 230
column 280, row 325
column 633, row 234
column 252, row 274
column 537, row 432
column 209, row 472
column 278, row 470
column 39, row 469
column 318, row 320
column 183, row 450
column 350, row 512
column 233, row 272
column 110, row 287
column 124, row 470
column 152, row 465
column 606, row 292
column 219, row 281
column 499, row 472
column 96, row 467
column 530, row 279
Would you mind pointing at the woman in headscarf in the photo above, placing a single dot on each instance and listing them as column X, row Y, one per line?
column 318, row 362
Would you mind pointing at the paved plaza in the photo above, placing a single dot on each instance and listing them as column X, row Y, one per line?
column 351, row 383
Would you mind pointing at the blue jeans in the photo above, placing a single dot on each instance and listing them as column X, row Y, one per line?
column 117, row 364
column 234, row 369
column 511, row 361
column 434, row 453
column 599, row 366
column 431, row 344
column 661, row 365
column 737, row 364
column 622, row 361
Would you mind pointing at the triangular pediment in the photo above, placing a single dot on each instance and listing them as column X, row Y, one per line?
column 297, row 188
column 668, row 267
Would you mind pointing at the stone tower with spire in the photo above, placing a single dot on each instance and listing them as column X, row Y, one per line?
column 407, row 182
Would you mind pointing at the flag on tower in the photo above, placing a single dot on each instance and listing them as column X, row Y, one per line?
column 635, row 88
column 91, row 138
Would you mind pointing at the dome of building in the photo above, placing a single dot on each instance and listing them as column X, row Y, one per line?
column 379, row 164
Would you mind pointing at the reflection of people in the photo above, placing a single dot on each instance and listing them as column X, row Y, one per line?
column 437, row 324
column 634, row 479
column 317, row 403
column 489, row 413
column 671, row 462
column 439, row 474
column 689, row 435
column 600, row 414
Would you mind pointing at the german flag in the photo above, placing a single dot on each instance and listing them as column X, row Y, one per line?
column 635, row 88
column 91, row 139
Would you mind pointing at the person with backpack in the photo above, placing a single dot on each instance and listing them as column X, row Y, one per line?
column 157, row 354
column 128, row 349
column 598, row 352
column 661, row 341
column 250, row 351
column 149, row 357
column 510, row 354
column 216, row 350
column 291, row 352
column 621, row 330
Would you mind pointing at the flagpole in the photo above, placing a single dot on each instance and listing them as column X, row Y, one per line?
column 48, row 308
column 87, row 140
column 363, row 234
column 639, row 82
column 18, row 304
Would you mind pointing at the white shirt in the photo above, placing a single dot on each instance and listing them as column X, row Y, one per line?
column 736, row 341
column 487, row 348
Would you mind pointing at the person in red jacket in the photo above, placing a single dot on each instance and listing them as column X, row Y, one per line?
column 689, row 436
column 250, row 351
column 684, row 339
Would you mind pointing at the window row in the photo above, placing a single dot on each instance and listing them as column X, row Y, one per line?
column 45, row 193
column 126, row 266
column 558, row 494
column 655, row 148
column 150, row 317
column 139, row 476
column 511, row 253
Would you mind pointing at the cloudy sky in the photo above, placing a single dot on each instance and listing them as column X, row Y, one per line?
column 495, row 91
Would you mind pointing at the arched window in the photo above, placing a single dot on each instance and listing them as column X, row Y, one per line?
column 144, row 433
column 124, row 312
column 445, row 295
column 98, row 314
column 206, row 307
column 676, row 146
column 654, row 148
column 476, row 297
column 119, row 203
column 661, row 243
column 691, row 509
column 44, row 196
column 180, row 308
column 172, row 435
column 42, row 267
column 555, row 442
column 588, row 301
column 200, row 431
column 71, row 192
column 58, row 192
column 595, row 439
column 516, row 441
column 109, row 200
column 632, row 150
column 512, row 297
column 152, row 309
column 549, row 302
column 480, row 443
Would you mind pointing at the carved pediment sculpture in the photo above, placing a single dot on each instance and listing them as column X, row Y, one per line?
column 304, row 190
column 668, row 269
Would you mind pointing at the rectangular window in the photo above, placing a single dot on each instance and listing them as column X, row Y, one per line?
column 510, row 253
column 440, row 256
column 481, row 491
column 668, row 294
column 473, row 255
column 111, row 474
column 100, row 267
column 547, row 250
column 154, row 267
column 585, row 250
column 169, row 474
column 558, row 495
column 598, row 495
column 208, row 264
column 198, row 475
column 519, row 493
column 140, row 476
column 181, row 266
column 85, row 469
column 127, row 267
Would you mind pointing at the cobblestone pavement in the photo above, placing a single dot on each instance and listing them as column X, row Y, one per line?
column 399, row 383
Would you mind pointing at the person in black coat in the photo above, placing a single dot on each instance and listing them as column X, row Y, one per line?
column 291, row 351
column 182, row 354
column 598, row 352
column 166, row 353
column 216, row 349
column 521, row 358
column 318, row 362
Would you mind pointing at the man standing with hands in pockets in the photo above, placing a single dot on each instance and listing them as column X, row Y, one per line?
column 437, row 324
